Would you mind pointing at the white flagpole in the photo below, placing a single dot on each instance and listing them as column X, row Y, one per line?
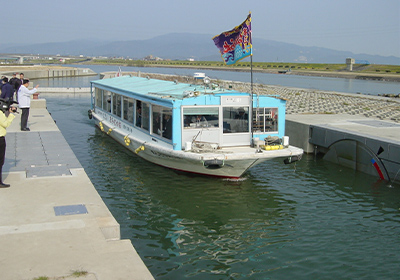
column 251, row 92
column 251, row 84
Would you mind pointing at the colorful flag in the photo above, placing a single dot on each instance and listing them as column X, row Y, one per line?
column 235, row 44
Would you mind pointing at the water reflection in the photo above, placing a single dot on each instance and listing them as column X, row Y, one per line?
column 348, row 183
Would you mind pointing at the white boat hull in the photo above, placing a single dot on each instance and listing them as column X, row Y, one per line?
column 230, row 162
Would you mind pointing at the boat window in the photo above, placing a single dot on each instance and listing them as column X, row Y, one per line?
column 162, row 121
column 195, row 117
column 106, row 101
column 167, row 123
column 142, row 116
column 145, row 116
column 99, row 97
column 128, row 109
column 236, row 119
column 116, row 104
column 265, row 119
column 157, row 120
column 138, row 115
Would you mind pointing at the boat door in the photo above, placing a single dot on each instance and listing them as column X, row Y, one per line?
column 235, row 120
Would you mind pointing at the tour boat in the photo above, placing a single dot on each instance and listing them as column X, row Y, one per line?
column 198, row 128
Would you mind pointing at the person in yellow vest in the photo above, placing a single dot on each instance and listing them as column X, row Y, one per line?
column 5, row 120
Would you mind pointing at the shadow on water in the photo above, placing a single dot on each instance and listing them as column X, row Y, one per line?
column 311, row 220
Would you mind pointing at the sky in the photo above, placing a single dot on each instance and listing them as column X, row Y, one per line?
column 359, row 26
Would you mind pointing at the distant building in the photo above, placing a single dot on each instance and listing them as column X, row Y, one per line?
column 10, row 60
column 152, row 58
column 349, row 63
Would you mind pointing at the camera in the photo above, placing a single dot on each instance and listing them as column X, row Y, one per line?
column 6, row 104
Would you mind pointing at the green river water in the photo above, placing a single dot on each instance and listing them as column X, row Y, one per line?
column 311, row 220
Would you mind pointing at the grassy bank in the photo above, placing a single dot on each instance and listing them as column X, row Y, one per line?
column 363, row 71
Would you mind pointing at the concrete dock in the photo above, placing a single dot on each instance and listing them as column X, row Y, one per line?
column 53, row 223
column 356, row 142
column 45, row 71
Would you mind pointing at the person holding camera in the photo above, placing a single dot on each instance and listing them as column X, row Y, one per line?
column 5, row 120
column 24, row 100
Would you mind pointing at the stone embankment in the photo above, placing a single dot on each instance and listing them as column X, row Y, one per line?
column 309, row 101
column 304, row 101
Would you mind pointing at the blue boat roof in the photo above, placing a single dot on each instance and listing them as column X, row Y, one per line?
column 158, row 88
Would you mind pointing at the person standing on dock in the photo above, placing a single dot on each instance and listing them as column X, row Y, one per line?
column 7, row 90
column 18, row 83
column 5, row 120
column 13, row 81
column 1, row 83
column 24, row 100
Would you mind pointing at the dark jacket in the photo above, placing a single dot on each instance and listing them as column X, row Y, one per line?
column 15, row 83
column 12, row 81
column 7, row 91
column 18, row 84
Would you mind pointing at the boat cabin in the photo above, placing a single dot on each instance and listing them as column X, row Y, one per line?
column 176, row 114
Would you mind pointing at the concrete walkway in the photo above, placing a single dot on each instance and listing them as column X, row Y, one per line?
column 53, row 222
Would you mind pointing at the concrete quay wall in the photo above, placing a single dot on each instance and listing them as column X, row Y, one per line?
column 59, row 73
column 44, row 72
column 56, row 90
column 53, row 220
column 365, row 144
